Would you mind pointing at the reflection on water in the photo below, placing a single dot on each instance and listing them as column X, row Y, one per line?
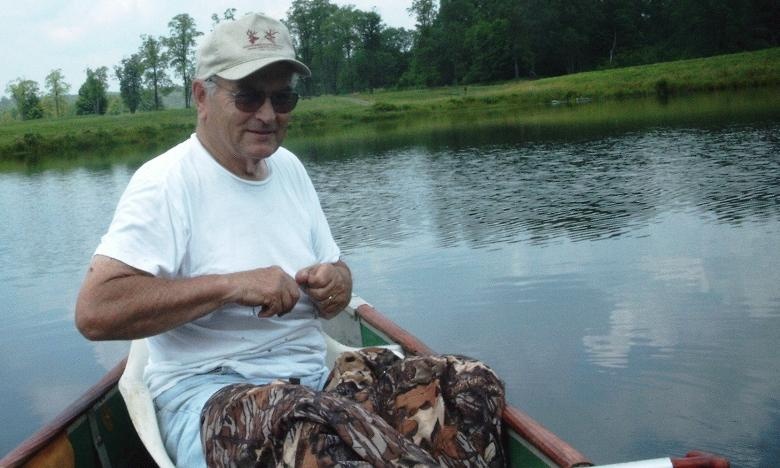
column 622, row 282
column 639, row 267
column 539, row 192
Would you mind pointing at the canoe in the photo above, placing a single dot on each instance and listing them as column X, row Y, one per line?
column 105, row 426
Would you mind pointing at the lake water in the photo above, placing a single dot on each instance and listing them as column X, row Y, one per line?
column 623, row 280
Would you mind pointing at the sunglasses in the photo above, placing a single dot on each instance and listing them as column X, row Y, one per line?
column 252, row 100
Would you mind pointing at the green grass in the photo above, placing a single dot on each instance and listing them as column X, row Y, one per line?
column 735, row 71
column 74, row 137
column 346, row 116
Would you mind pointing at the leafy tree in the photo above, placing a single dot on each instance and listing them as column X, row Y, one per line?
column 92, row 94
column 58, row 88
column 26, row 95
column 349, row 49
column 471, row 41
column 455, row 17
column 154, row 61
column 339, row 52
column 228, row 15
column 395, row 57
column 762, row 21
column 622, row 26
column 115, row 105
column 181, row 50
column 130, row 76
column 487, row 43
column 710, row 27
column 515, row 37
column 7, row 110
column 340, row 49
column 423, row 69
column 307, row 21
column 425, row 12
column 369, row 27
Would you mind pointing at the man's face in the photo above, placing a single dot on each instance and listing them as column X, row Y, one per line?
column 235, row 136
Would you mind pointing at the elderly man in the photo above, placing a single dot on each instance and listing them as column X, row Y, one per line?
column 220, row 253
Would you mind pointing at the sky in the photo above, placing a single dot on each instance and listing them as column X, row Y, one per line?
column 38, row 36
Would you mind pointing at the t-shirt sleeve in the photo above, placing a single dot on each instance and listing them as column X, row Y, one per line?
column 147, row 231
column 325, row 247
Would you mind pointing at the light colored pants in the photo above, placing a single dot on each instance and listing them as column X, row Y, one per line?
column 178, row 412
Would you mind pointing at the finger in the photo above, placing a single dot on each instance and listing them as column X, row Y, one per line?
column 334, row 303
column 325, row 285
column 321, row 305
column 268, row 310
column 330, row 309
column 302, row 276
column 321, row 296
column 334, row 287
column 289, row 299
column 319, row 276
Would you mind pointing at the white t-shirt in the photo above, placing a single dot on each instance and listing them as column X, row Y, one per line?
column 183, row 215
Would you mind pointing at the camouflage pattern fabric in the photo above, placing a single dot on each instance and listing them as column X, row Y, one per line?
column 376, row 410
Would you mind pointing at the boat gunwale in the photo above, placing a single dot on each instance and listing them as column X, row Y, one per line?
column 546, row 442
column 48, row 433
column 550, row 445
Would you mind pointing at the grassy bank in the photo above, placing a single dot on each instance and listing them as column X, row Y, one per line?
column 27, row 142
column 72, row 137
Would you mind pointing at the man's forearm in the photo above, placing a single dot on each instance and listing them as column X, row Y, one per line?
column 137, row 306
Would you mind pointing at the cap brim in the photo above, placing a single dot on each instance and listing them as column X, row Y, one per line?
column 247, row 68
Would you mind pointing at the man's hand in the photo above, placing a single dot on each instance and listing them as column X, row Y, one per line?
column 329, row 285
column 271, row 288
column 119, row 302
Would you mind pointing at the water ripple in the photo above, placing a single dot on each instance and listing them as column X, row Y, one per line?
column 542, row 191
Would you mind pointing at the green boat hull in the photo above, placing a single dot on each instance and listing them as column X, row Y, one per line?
column 96, row 430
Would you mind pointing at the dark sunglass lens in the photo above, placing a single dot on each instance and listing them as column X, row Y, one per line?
column 249, row 101
column 284, row 102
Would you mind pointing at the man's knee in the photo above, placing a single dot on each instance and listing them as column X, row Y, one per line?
column 468, row 372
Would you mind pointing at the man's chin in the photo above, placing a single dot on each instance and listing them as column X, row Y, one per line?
column 261, row 151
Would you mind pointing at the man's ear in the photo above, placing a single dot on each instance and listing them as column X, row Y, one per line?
column 199, row 95
column 198, row 90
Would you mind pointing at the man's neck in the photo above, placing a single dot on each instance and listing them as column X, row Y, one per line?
column 255, row 169
column 245, row 168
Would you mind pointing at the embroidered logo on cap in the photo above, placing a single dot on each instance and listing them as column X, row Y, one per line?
column 255, row 43
column 270, row 36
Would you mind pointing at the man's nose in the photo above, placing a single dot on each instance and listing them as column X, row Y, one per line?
column 266, row 111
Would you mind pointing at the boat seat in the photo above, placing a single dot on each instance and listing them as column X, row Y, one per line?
column 139, row 403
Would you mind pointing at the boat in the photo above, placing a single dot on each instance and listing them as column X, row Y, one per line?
column 113, row 423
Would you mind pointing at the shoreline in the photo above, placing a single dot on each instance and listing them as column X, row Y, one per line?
column 30, row 142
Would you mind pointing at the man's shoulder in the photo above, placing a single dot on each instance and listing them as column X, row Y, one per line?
column 284, row 154
column 287, row 159
column 169, row 163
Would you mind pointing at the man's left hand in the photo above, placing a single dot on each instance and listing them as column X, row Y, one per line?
column 328, row 285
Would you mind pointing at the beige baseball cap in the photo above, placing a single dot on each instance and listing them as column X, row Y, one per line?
column 236, row 49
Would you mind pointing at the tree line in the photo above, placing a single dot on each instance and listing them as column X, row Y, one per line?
column 144, row 78
column 458, row 42
column 454, row 42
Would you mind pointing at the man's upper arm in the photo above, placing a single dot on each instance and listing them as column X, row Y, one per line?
column 98, row 282
column 99, row 292
column 103, row 269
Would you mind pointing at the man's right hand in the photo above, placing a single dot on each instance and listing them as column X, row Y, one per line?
column 119, row 302
column 273, row 290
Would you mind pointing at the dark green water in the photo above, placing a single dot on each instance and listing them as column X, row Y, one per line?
column 618, row 268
